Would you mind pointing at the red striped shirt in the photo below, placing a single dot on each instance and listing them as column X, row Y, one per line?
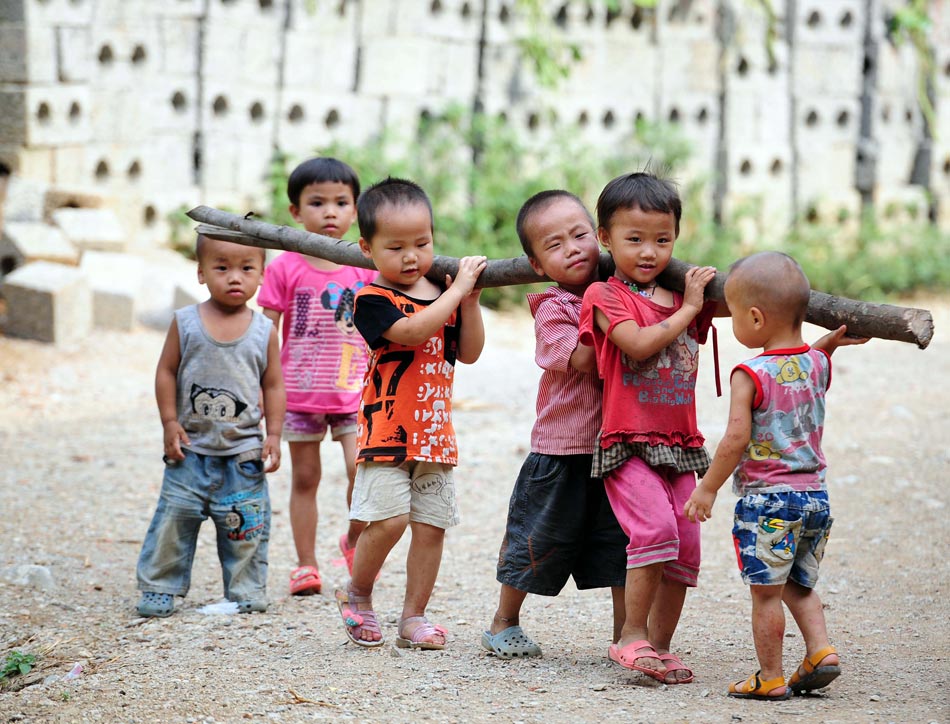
column 569, row 402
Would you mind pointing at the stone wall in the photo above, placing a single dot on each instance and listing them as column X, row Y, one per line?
column 155, row 105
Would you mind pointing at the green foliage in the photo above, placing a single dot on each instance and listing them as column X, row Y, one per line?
column 911, row 22
column 16, row 663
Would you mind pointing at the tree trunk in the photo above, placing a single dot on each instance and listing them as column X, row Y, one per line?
column 883, row 321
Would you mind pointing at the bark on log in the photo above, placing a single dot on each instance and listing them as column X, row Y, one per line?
column 864, row 319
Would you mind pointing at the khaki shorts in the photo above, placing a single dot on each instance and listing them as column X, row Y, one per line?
column 426, row 491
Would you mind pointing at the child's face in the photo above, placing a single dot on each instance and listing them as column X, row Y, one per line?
column 326, row 208
column 401, row 248
column 564, row 244
column 232, row 271
column 640, row 242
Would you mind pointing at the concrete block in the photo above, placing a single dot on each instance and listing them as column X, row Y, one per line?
column 173, row 283
column 116, row 281
column 58, row 12
column 13, row 10
column 74, row 61
column 45, row 115
column 36, row 241
column 97, row 229
column 830, row 21
column 395, row 66
column 47, row 302
column 10, row 256
column 35, row 164
column 24, row 197
column 328, row 67
column 27, row 53
column 178, row 46
column 825, row 69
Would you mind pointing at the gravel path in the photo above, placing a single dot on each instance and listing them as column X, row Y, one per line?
column 80, row 434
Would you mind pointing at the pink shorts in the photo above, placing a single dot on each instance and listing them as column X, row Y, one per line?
column 648, row 503
column 312, row 426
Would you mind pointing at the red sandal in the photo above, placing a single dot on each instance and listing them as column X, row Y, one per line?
column 305, row 581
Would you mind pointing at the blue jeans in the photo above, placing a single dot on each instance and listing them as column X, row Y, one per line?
column 232, row 491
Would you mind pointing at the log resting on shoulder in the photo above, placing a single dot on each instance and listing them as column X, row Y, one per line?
column 863, row 319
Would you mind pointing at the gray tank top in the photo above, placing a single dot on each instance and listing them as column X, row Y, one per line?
column 219, row 385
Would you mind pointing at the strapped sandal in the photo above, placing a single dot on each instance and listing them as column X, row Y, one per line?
column 815, row 676
column 755, row 688
column 673, row 663
column 305, row 581
column 416, row 639
column 356, row 620
column 156, row 605
column 510, row 643
column 626, row 656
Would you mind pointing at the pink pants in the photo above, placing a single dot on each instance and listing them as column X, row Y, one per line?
column 648, row 503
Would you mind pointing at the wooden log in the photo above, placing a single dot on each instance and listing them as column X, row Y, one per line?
column 864, row 319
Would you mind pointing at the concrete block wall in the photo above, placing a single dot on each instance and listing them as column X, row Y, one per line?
column 162, row 105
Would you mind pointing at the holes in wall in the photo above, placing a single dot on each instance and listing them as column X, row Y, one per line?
column 702, row 116
column 504, row 15
column 179, row 102
column 811, row 120
column 534, row 121
column 811, row 214
column 909, row 116
column 582, row 119
column 674, row 116
column 843, row 119
column 106, row 56
column 296, row 113
column 436, row 7
column 608, row 119
column 256, row 111
column 637, row 18
column 946, row 69
column 466, row 11
column 946, row 166
column 43, row 113
column 639, row 118
column 502, row 118
column 220, row 106
column 266, row 5
column 75, row 112
column 886, row 113
column 745, row 168
column 776, row 167
column 149, row 215
column 589, row 15
column 742, row 68
column 613, row 12
column 102, row 171
column 772, row 66
column 332, row 119
column 134, row 171
column 678, row 12
column 560, row 17
column 847, row 19
column 814, row 19
column 139, row 55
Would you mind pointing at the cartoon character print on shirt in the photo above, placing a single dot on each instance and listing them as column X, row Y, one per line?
column 305, row 337
column 216, row 405
column 668, row 377
column 340, row 299
column 790, row 372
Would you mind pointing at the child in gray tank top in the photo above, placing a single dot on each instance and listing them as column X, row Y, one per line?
column 219, row 367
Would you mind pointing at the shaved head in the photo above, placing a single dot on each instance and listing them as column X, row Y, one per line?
column 772, row 281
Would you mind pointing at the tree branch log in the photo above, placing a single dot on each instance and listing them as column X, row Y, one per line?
column 864, row 319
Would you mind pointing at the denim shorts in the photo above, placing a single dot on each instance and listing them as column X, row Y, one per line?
column 232, row 491
column 312, row 426
column 781, row 536
column 560, row 525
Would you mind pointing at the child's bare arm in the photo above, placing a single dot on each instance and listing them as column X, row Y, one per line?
column 640, row 343
column 733, row 444
column 273, row 315
column 584, row 358
column 472, row 339
column 838, row 338
column 166, row 395
column 275, row 404
column 413, row 331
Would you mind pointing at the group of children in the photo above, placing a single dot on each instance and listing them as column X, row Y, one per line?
column 608, row 493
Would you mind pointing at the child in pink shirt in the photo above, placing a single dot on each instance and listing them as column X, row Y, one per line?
column 322, row 356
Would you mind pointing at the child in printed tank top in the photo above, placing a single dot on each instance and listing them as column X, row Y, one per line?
column 560, row 524
column 417, row 330
column 646, row 338
column 323, row 357
column 773, row 443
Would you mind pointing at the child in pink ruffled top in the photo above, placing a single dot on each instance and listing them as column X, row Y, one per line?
column 322, row 355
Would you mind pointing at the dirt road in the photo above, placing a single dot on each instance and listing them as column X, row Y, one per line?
column 81, row 442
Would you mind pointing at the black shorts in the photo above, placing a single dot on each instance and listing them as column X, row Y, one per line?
column 560, row 524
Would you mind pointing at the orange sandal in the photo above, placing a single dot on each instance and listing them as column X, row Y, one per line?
column 815, row 676
column 305, row 581
column 755, row 688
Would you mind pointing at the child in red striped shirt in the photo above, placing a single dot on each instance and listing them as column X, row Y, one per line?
column 560, row 523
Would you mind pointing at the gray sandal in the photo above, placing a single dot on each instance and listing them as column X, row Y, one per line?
column 510, row 644
column 156, row 605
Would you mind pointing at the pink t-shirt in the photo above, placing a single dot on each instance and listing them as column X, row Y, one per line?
column 653, row 400
column 322, row 354
column 568, row 401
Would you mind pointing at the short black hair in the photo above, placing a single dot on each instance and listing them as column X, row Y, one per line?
column 537, row 203
column 318, row 171
column 389, row 191
column 201, row 241
column 643, row 190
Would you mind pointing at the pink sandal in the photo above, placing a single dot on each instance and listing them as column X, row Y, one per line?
column 672, row 663
column 356, row 620
column 627, row 655
column 417, row 638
